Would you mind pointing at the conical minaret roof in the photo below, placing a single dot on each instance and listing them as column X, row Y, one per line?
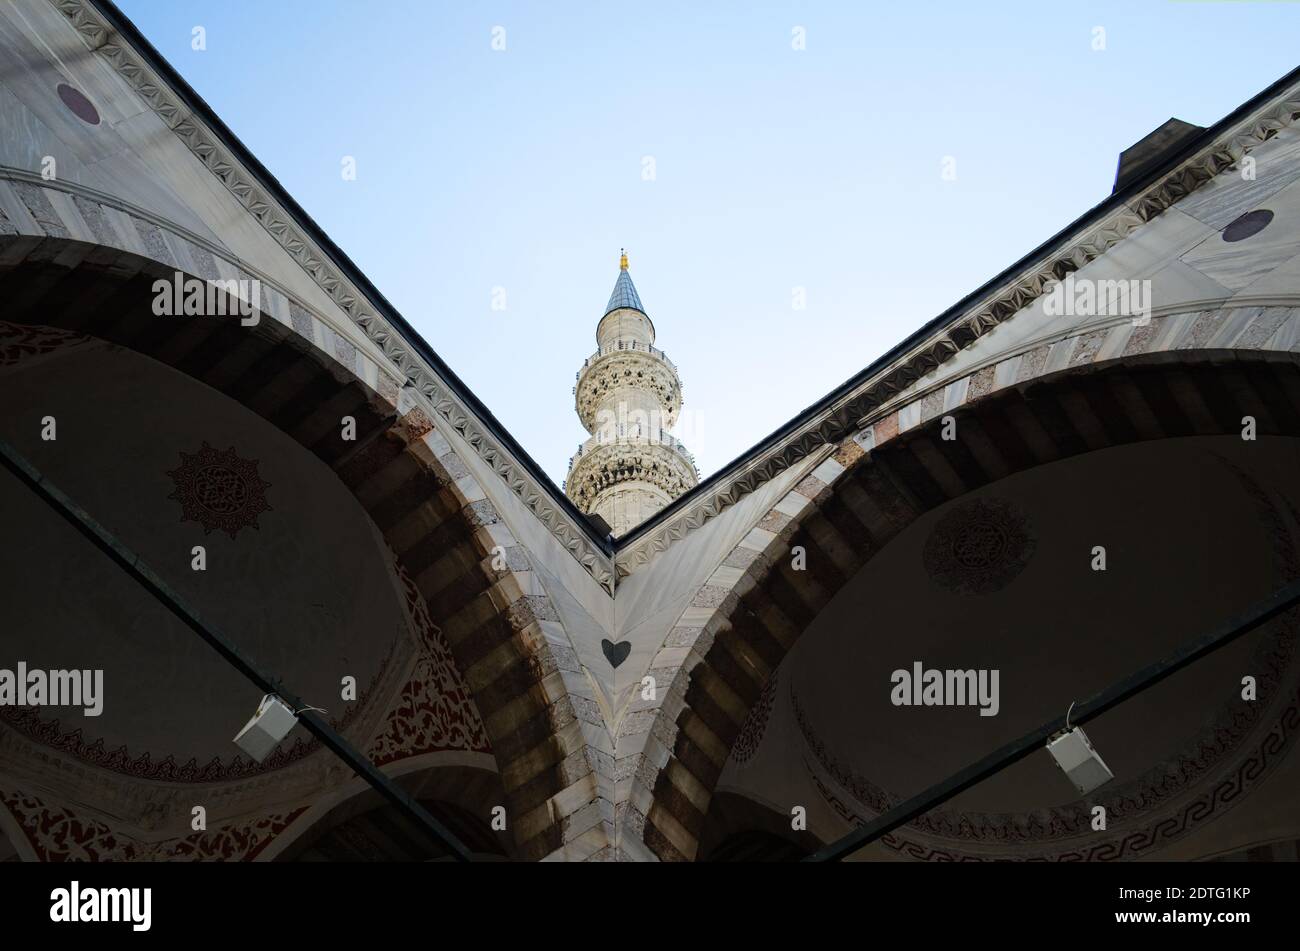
column 628, row 395
column 625, row 294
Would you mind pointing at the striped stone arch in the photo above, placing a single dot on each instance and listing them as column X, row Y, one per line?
column 1184, row 374
column 298, row 373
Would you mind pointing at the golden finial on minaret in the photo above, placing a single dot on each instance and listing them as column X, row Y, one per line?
column 622, row 260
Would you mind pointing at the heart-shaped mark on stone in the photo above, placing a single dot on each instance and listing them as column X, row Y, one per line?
column 616, row 653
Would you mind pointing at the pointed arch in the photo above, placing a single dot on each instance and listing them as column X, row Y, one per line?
column 1198, row 373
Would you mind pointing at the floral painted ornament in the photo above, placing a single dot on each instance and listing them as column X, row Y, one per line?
column 219, row 490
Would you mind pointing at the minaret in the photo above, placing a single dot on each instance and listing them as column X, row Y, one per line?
column 628, row 395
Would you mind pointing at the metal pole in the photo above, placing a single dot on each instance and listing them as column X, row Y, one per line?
column 1261, row 613
column 131, row 563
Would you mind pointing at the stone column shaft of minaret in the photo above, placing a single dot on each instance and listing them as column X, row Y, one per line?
column 627, row 325
column 628, row 395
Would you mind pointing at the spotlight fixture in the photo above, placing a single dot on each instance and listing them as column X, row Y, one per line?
column 270, row 724
column 1081, row 763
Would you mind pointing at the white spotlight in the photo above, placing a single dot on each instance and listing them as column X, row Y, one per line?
column 271, row 724
column 1081, row 763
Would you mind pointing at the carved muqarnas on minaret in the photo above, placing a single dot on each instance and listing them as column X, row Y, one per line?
column 628, row 395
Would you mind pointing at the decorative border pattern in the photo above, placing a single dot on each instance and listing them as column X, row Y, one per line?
column 56, row 834
column 607, row 372
column 434, row 710
column 1228, row 792
column 751, row 734
column 614, row 465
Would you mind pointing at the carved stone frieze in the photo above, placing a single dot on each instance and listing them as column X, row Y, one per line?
column 610, row 372
column 606, row 466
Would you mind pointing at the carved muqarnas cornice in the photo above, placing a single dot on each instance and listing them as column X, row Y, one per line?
column 856, row 409
column 104, row 41
column 613, row 464
column 626, row 369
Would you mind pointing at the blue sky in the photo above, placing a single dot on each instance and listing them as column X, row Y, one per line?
column 774, row 168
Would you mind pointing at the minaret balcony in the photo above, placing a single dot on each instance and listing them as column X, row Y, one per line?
column 611, row 374
column 598, row 466
column 667, row 440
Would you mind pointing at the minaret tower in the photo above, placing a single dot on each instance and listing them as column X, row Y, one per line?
column 628, row 395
